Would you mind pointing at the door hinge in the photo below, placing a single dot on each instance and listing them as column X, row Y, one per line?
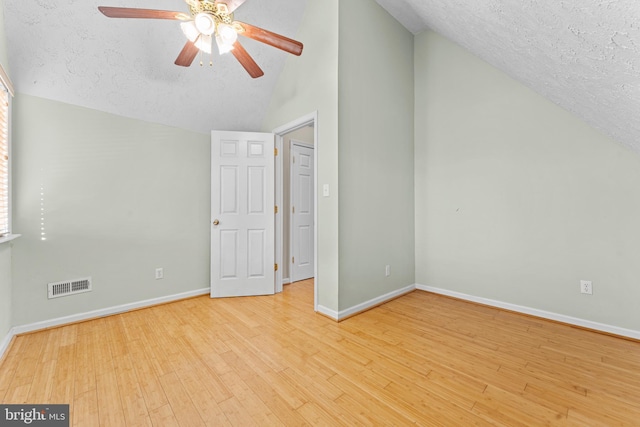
column 276, row 209
column 293, row 260
column 293, row 209
column 275, row 151
column 275, row 267
column 293, row 159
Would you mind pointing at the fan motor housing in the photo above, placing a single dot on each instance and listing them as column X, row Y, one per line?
column 218, row 10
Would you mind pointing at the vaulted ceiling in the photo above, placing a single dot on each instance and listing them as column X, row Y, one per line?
column 66, row 50
column 582, row 55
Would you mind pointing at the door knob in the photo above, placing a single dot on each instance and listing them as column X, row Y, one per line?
column 216, row 222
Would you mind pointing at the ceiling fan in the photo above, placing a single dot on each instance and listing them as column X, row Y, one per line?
column 210, row 20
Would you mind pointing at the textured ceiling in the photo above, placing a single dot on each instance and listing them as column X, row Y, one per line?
column 66, row 50
column 583, row 55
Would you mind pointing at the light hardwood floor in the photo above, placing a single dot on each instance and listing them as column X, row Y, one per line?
column 421, row 359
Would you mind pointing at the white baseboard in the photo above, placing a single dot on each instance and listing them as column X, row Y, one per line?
column 375, row 301
column 6, row 341
column 615, row 330
column 4, row 344
column 342, row 314
column 105, row 312
column 327, row 312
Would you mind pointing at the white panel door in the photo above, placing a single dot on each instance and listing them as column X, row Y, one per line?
column 302, row 212
column 242, row 214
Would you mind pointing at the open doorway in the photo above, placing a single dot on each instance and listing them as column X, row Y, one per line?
column 299, row 136
column 299, row 216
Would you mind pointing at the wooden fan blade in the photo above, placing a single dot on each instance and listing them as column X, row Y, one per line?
column 246, row 60
column 128, row 12
column 232, row 4
column 272, row 39
column 187, row 54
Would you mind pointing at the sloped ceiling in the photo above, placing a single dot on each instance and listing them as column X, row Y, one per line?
column 66, row 50
column 582, row 55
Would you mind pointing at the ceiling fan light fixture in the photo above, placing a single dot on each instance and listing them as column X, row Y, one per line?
column 190, row 31
column 226, row 36
column 205, row 23
column 204, row 43
column 222, row 47
column 208, row 19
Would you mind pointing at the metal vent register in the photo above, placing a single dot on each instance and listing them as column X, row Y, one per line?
column 69, row 287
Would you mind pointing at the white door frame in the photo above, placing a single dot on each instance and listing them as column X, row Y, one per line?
column 310, row 146
column 309, row 119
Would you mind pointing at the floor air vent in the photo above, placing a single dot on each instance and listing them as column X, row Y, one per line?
column 69, row 287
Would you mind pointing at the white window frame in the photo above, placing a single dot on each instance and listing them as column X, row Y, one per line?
column 8, row 87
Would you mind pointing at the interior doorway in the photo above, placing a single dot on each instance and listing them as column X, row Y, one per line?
column 300, row 212
column 304, row 132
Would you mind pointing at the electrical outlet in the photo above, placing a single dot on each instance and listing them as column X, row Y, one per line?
column 387, row 270
column 586, row 287
column 159, row 273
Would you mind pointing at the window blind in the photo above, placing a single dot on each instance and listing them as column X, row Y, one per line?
column 4, row 160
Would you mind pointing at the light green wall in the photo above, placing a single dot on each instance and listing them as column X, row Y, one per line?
column 3, row 40
column 376, row 153
column 373, row 104
column 5, row 248
column 310, row 83
column 5, row 289
column 514, row 198
column 517, row 199
column 120, row 197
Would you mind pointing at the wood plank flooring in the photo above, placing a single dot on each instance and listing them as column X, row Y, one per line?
column 421, row 359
